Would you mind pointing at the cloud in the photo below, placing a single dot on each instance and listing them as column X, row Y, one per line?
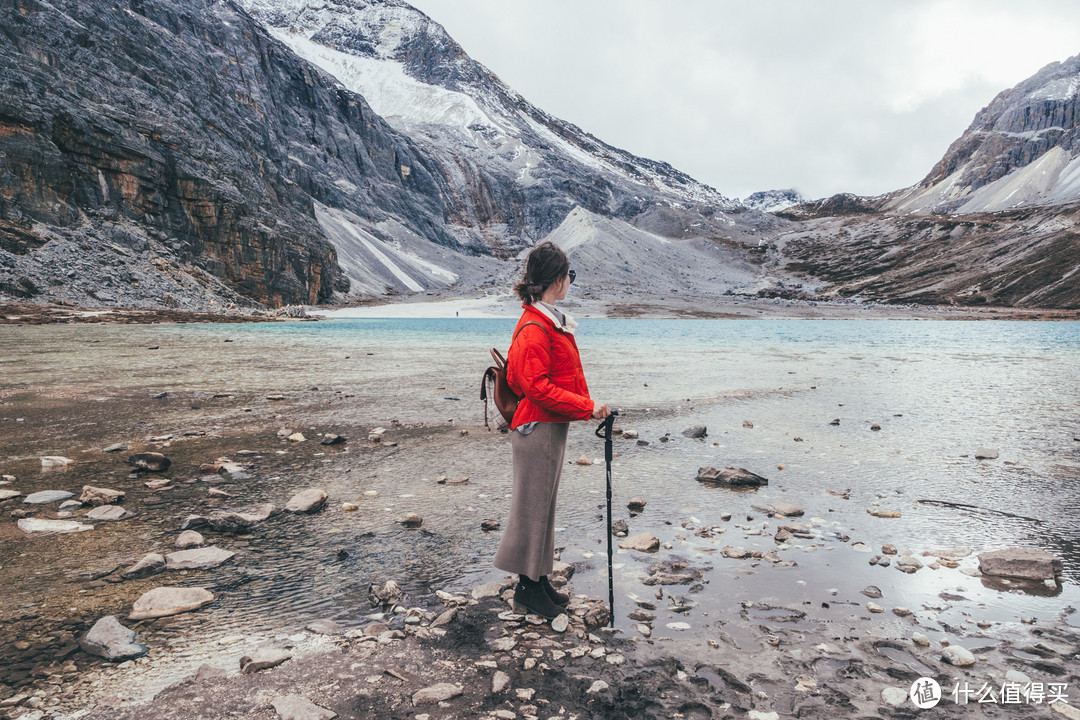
column 826, row 96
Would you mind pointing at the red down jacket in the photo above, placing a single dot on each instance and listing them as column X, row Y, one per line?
column 545, row 367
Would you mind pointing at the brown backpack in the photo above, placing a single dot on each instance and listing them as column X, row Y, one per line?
column 494, row 387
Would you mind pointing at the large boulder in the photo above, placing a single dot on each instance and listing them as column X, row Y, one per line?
column 112, row 641
column 730, row 476
column 100, row 496
column 308, row 501
column 165, row 601
column 1024, row 563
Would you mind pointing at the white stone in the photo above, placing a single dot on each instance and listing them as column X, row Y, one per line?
column 8, row 494
column 46, row 527
column 197, row 559
column 189, row 539
column 560, row 623
column 108, row 513
column 47, row 496
column 262, row 659
column 499, row 682
column 50, row 462
column 111, row 640
column 164, row 601
column 297, row 438
column 599, row 685
column 958, row 656
column 436, row 694
column 308, row 501
column 678, row 625
column 894, row 696
column 295, row 707
column 645, row 542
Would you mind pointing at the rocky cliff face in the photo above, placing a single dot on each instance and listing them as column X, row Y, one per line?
column 773, row 200
column 160, row 152
column 1022, row 149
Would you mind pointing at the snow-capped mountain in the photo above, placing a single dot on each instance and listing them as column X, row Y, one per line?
column 773, row 200
column 508, row 172
column 1022, row 149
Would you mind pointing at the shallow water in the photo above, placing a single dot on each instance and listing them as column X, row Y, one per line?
column 939, row 391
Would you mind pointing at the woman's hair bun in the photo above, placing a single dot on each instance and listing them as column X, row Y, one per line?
column 546, row 264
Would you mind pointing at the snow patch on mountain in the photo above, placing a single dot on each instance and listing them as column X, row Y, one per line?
column 773, row 200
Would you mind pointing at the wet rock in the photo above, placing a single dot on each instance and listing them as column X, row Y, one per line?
column 100, row 496
column 116, row 447
column 165, row 601
column 666, row 578
column 151, row 564
column 309, row 501
column 908, row 563
column 492, row 589
column 696, row 432
column 8, row 494
column 986, row 454
column 499, row 682
column 620, row 528
column 1022, row 563
column 333, row 440
column 297, row 438
column 112, row 641
column 159, row 484
column 445, row 618
column 412, row 520
column 436, row 694
column 109, row 513
column 630, row 434
column 958, row 656
column 874, row 607
column 38, row 526
column 54, row 462
column 881, row 513
column 871, row 591
column 489, row 525
column 231, row 522
column 262, row 659
column 560, row 623
column 387, row 594
column 324, row 627
column 150, row 462
column 785, row 509
column 920, row 639
column 197, row 559
column 888, row 549
column 645, row 542
column 295, row 707
column 735, row 553
column 636, row 504
column 730, row 476
column 47, row 496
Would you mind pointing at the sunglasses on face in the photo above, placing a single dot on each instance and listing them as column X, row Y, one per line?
column 572, row 275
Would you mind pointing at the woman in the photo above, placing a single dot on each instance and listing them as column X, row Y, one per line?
column 544, row 367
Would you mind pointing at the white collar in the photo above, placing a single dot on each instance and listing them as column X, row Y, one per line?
column 568, row 325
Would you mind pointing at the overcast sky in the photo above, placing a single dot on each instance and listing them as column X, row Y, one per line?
column 824, row 96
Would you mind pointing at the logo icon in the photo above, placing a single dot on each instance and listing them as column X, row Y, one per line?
column 925, row 693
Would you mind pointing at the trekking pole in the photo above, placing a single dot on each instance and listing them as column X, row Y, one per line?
column 604, row 431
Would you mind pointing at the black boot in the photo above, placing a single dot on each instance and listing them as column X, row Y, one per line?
column 530, row 597
column 556, row 597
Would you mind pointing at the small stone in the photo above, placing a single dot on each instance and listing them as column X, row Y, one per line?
column 503, row 644
column 630, row 434
column 324, row 627
column 597, row 687
column 158, row 484
column 871, row 591
column 696, row 432
column 560, row 623
column 189, row 539
column 901, row 611
column 888, row 549
column 958, row 656
column 436, row 694
column 644, row 629
column 489, row 525
column 834, row 421
column 881, row 513
column 308, row 501
column 197, row 559
column 730, row 476
column 297, row 438
column 499, row 682
column 150, row 461
column 894, row 696
column 329, row 439
column 645, row 542
column 412, row 520
column 295, row 707
column 48, row 527
column 45, row 497
column 748, row 425
column 735, row 553
column 908, row 563
column 445, row 617
column 8, row 494
column 583, row 460
column 525, row 694
column 678, row 626
column 920, row 639
column 874, row 607
column 620, row 528
column 112, row 641
column 54, row 462
column 109, row 513
column 100, row 496
column 986, row 454
column 349, row 507
column 636, row 504
column 151, row 564
column 164, row 601
column 116, row 447
column 262, row 659
column 875, row 427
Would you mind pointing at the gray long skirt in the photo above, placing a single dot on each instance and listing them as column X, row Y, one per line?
column 528, row 543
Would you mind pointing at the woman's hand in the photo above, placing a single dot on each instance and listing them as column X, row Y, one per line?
column 600, row 411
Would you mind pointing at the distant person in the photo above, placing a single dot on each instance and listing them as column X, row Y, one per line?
column 545, row 368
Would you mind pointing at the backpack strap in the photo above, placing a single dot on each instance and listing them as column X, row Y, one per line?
column 525, row 325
